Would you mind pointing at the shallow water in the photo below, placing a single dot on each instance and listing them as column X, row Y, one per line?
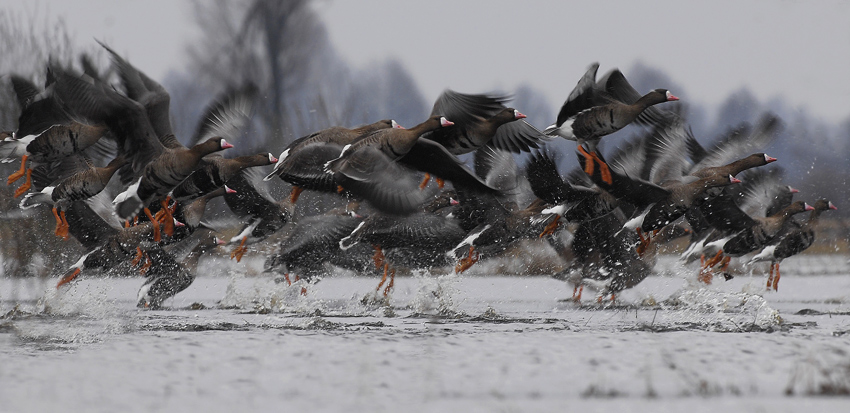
column 474, row 343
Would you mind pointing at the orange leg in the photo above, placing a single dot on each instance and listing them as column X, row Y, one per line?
column 425, row 181
column 126, row 224
column 391, row 283
column 770, row 276
column 714, row 260
column 167, row 219
column 550, row 229
column 239, row 251
column 467, row 262
column 63, row 227
column 156, row 234
column 725, row 265
column 603, row 169
column 146, row 266
column 303, row 289
column 58, row 222
column 339, row 189
column 384, row 278
column 138, row 258
column 577, row 292
column 378, row 257
column 776, row 279
column 70, row 276
column 286, row 277
column 295, row 193
column 588, row 161
column 705, row 273
column 19, row 173
column 440, row 182
column 26, row 186
column 644, row 242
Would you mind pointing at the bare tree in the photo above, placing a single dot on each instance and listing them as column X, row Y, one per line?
column 283, row 47
column 27, row 42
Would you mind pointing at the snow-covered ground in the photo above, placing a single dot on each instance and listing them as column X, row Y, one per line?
column 471, row 343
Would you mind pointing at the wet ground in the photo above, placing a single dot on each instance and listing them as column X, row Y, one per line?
column 473, row 343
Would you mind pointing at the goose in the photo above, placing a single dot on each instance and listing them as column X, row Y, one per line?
column 792, row 243
column 482, row 120
column 159, row 165
column 301, row 162
column 583, row 119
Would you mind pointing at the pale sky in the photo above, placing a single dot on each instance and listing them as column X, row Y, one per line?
column 796, row 49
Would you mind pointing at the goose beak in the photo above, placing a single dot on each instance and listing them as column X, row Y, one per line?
column 793, row 190
column 445, row 122
column 219, row 241
column 227, row 190
column 518, row 115
column 396, row 125
column 225, row 144
column 670, row 96
column 272, row 159
column 453, row 202
column 831, row 206
column 769, row 159
column 808, row 207
column 178, row 224
column 734, row 180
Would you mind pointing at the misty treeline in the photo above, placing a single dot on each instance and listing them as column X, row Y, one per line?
column 283, row 48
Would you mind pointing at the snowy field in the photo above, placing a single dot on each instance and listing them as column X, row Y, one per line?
column 233, row 342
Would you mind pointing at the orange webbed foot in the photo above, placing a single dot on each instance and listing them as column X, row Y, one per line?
column 552, row 227
column 157, row 236
column 167, row 219
column 70, row 276
column 64, row 229
column 425, row 181
column 467, row 262
column 26, row 186
column 239, row 251
column 19, row 173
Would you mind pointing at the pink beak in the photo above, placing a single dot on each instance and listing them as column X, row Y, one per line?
column 445, row 122
column 808, row 207
column 178, row 224
column 272, row 159
column 227, row 190
column 769, row 158
column 672, row 98
column 734, row 180
column 793, row 190
column 219, row 241
column 831, row 206
column 225, row 144
column 518, row 115
column 453, row 201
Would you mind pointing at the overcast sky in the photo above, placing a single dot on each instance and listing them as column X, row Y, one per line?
column 797, row 49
